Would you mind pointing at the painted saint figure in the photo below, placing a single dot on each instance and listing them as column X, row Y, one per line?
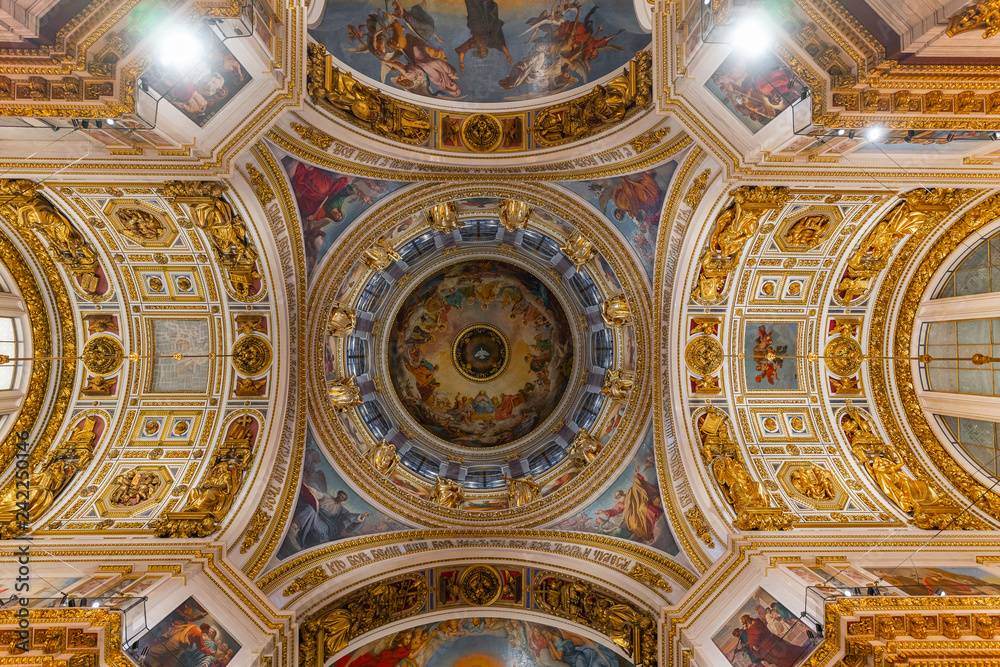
column 483, row 19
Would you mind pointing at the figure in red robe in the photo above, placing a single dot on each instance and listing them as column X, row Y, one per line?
column 765, row 647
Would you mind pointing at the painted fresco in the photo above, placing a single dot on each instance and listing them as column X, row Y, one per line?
column 480, row 50
column 189, row 337
column 632, row 507
column 328, row 203
column 188, row 637
column 764, row 633
column 428, row 370
column 632, row 203
column 202, row 90
column 328, row 509
column 484, row 642
column 761, row 340
column 927, row 580
column 756, row 90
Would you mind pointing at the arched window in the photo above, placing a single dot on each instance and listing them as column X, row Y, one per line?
column 959, row 320
column 977, row 273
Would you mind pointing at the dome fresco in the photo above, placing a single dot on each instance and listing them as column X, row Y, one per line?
column 479, row 51
column 480, row 353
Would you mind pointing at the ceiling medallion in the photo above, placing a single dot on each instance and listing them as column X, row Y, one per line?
column 481, row 352
column 475, row 322
column 843, row 356
column 251, row 355
column 704, row 355
column 482, row 132
column 103, row 355
column 480, row 585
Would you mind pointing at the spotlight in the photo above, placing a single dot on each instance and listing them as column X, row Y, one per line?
column 909, row 136
column 708, row 2
column 143, row 86
column 850, row 135
column 994, row 136
column 840, row 132
column 939, row 593
column 100, row 124
column 96, row 604
column 64, row 600
column 76, row 123
column 179, row 47
column 111, row 121
column 86, row 124
column 874, row 133
column 848, row 592
column 751, row 37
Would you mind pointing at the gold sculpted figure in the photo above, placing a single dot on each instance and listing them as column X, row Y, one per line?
column 215, row 495
column 807, row 232
column 733, row 228
column 139, row 225
column 442, row 217
column 344, row 393
column 43, row 488
column 578, row 249
column 616, row 312
column 873, row 254
column 383, row 457
column 97, row 385
column 249, row 387
column 380, row 255
column 226, row 231
column 741, row 490
column 815, row 482
column 522, row 490
column 447, row 493
column 618, row 385
column 584, row 448
column 66, row 244
column 342, row 321
column 983, row 15
column 514, row 214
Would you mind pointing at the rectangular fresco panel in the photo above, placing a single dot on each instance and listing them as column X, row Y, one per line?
column 755, row 90
column 632, row 507
column 484, row 642
column 481, row 51
column 328, row 509
column 329, row 202
column 188, row 637
column 632, row 204
column 764, row 633
column 201, row 90
column 764, row 372
column 927, row 580
column 189, row 337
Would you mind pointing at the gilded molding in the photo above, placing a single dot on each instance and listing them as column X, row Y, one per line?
column 58, row 632
column 982, row 15
column 899, row 340
column 258, row 522
column 307, row 581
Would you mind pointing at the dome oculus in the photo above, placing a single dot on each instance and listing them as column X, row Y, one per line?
column 480, row 353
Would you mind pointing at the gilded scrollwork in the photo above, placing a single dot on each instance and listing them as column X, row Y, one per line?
column 734, row 226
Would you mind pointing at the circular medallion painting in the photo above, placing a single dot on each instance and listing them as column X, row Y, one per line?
column 480, row 353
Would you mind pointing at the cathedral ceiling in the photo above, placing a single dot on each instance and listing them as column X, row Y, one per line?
column 383, row 328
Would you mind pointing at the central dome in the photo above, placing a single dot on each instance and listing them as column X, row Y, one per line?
column 480, row 353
